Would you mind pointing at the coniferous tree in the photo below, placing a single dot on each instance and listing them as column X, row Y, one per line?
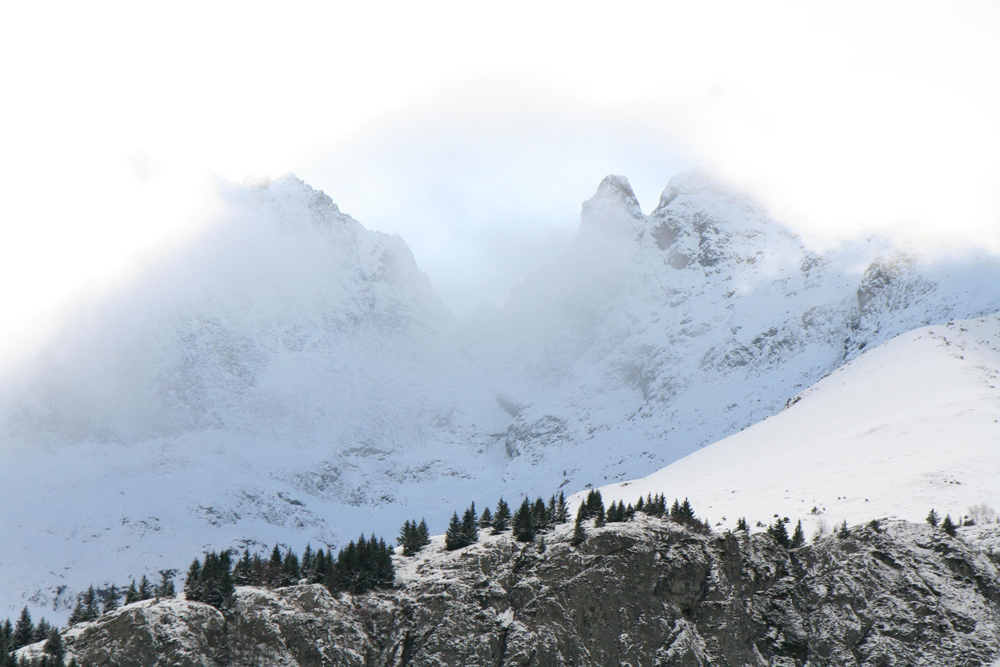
column 579, row 532
column 539, row 515
column 423, row 535
column 407, row 536
column 741, row 524
column 779, row 532
column 307, row 560
column 55, row 648
column 501, row 517
column 454, row 537
column 595, row 507
column 165, row 589
column 243, row 574
column 112, row 599
column 843, row 532
column 290, row 571
column 24, row 630
column 486, row 520
column 145, row 589
column 523, row 523
column 562, row 512
column 948, row 526
column 470, row 525
column 42, row 631
column 599, row 516
column 932, row 518
column 640, row 505
column 798, row 537
column 273, row 567
column 132, row 593
column 362, row 566
column 192, row 584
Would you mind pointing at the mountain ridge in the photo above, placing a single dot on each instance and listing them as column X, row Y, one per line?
column 292, row 377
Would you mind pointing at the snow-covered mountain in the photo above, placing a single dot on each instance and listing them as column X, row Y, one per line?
column 290, row 376
column 655, row 335
column 907, row 427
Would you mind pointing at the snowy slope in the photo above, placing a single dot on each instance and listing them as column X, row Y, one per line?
column 290, row 376
column 911, row 425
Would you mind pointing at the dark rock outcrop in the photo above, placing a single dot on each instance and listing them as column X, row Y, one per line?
column 644, row 593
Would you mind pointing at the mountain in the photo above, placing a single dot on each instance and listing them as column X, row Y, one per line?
column 900, row 594
column 288, row 376
column 656, row 335
column 906, row 427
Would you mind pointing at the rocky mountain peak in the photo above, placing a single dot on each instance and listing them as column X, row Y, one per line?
column 614, row 209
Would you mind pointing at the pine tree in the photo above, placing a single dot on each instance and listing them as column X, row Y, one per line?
column 486, row 520
column 470, row 525
column 640, row 505
column 192, row 584
column 243, row 574
column 741, row 524
column 501, row 518
column 562, row 512
column 454, row 537
column 290, row 571
column 111, row 599
column 798, row 537
column 779, row 532
column 272, row 571
column 307, row 560
column 407, row 538
column 579, row 532
column 42, row 631
column 948, row 526
column 524, row 523
column 843, row 532
column 539, row 515
column 165, row 589
column 423, row 535
column 131, row 593
column 595, row 507
column 24, row 630
column 933, row 518
column 145, row 589
column 54, row 647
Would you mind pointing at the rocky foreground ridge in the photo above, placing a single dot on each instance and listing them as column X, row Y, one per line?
column 648, row 592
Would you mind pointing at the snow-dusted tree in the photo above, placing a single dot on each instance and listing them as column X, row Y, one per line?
column 933, row 518
column 24, row 630
column 579, row 531
column 779, row 532
column 798, row 537
column 523, row 523
column 501, row 517
column 111, row 599
column 948, row 526
column 454, row 537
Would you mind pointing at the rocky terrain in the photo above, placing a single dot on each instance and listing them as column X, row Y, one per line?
column 647, row 592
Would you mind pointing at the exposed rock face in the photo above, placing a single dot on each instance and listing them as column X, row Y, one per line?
column 643, row 593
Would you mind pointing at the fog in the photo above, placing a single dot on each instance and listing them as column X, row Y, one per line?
column 476, row 133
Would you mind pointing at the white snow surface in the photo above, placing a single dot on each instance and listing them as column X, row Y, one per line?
column 291, row 377
column 909, row 426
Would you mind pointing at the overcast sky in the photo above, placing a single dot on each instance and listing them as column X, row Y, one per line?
column 476, row 131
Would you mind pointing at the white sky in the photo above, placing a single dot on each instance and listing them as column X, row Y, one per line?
column 475, row 131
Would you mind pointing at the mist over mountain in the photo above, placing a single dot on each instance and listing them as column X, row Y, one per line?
column 289, row 376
